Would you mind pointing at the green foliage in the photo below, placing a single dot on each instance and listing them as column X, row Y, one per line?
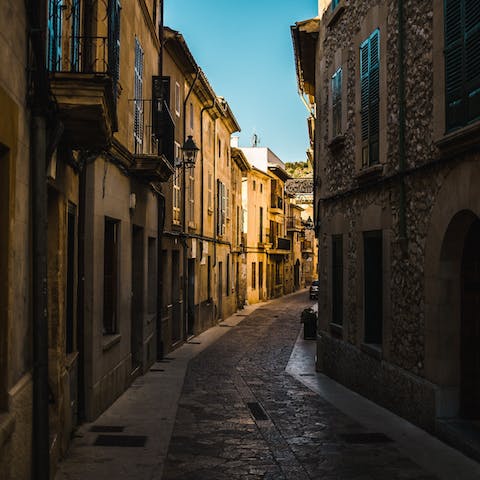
column 299, row 169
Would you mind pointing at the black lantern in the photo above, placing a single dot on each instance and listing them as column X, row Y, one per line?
column 189, row 152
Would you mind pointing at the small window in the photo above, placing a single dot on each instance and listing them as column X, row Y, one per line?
column 254, row 185
column 373, row 287
column 337, row 103
column 219, row 148
column 337, row 279
column 254, row 275
column 110, row 276
column 177, row 99
column 152, row 275
column 261, row 188
column 191, row 116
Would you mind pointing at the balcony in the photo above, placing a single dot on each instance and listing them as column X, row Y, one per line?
column 294, row 224
column 153, row 142
column 83, row 85
column 276, row 205
column 307, row 246
column 280, row 246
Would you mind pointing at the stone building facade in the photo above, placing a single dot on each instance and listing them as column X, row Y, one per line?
column 396, row 90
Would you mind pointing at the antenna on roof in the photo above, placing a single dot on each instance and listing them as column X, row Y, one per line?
column 255, row 140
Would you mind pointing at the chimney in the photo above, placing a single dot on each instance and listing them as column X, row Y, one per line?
column 234, row 142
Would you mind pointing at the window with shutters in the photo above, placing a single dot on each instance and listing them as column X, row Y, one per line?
column 337, row 103
column 138, row 98
column 176, row 187
column 337, row 279
column 210, row 193
column 191, row 198
column 177, row 99
column 110, row 276
column 75, row 41
column 370, row 98
column 227, row 204
column 54, row 45
column 462, row 63
column 114, row 9
column 221, row 208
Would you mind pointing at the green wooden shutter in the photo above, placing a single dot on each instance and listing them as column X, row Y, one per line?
column 374, row 98
column 454, row 65
column 472, row 59
column 370, row 98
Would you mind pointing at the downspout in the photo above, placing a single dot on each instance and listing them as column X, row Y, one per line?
column 160, row 213
column 37, row 10
column 202, row 206
column 401, row 127
column 215, row 190
column 184, row 214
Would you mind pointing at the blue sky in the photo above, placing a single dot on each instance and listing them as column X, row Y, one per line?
column 245, row 49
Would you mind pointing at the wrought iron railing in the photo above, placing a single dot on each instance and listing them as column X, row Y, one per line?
column 283, row 243
column 81, row 54
column 294, row 223
column 153, row 129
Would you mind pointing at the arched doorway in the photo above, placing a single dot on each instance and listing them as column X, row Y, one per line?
column 470, row 325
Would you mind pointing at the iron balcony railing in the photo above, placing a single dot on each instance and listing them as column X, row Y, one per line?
column 277, row 202
column 81, row 54
column 283, row 243
column 294, row 223
column 153, row 129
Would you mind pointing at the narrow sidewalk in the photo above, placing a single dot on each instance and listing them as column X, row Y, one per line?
column 424, row 449
column 144, row 413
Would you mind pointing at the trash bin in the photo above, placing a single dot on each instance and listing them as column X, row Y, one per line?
column 309, row 320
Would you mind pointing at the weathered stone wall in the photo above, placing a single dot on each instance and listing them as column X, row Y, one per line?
column 407, row 395
column 396, row 381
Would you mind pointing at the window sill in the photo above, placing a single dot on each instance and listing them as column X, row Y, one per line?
column 460, row 140
column 372, row 349
column 109, row 341
column 336, row 143
column 369, row 174
column 335, row 14
column 7, row 427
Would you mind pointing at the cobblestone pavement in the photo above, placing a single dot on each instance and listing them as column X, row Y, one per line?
column 216, row 435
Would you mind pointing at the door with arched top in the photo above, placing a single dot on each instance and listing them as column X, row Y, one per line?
column 470, row 326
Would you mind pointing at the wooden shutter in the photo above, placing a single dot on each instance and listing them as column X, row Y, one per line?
column 455, row 105
column 472, row 58
column 114, row 9
column 374, row 98
column 370, row 98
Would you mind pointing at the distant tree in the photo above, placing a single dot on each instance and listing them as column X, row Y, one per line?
column 299, row 169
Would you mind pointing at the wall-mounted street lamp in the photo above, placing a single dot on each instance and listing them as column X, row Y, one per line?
column 189, row 152
column 189, row 155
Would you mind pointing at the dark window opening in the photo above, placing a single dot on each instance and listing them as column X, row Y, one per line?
column 110, row 276
column 373, row 287
column 337, row 279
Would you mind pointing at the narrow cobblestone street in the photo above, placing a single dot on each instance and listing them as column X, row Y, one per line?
column 242, row 416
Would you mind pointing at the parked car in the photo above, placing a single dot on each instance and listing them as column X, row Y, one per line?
column 314, row 290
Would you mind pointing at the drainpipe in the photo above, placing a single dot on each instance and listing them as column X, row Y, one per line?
column 401, row 128
column 202, row 206
column 160, row 211
column 214, row 186
column 37, row 10
column 184, row 214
